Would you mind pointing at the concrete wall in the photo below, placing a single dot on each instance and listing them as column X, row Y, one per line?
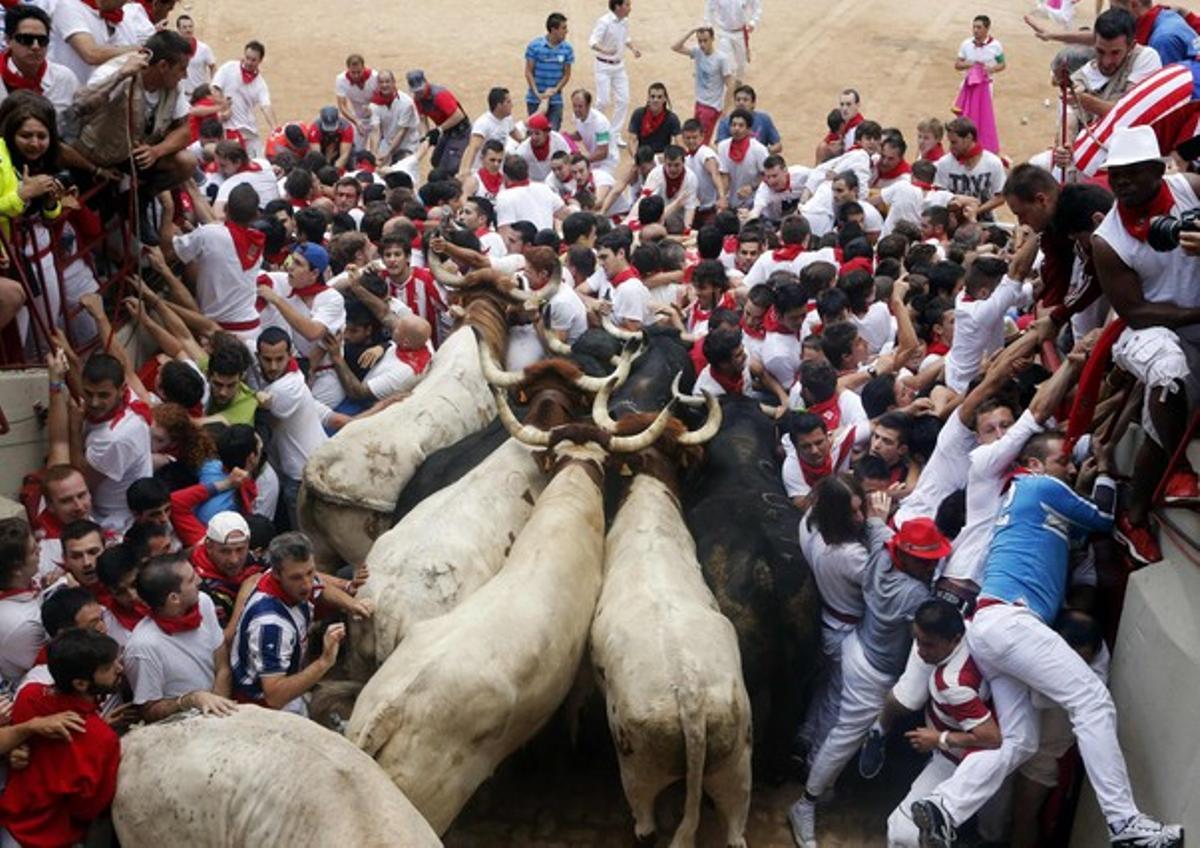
column 1156, row 686
column 23, row 448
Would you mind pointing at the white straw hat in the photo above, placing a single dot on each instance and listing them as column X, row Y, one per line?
column 1132, row 145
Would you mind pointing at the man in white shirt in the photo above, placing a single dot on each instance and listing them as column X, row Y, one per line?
column 979, row 312
column 609, row 40
column 21, row 631
column 782, row 187
column 496, row 124
column 203, row 62
column 540, row 147
column 478, row 214
column 115, row 446
column 970, row 170
column 176, row 657
column 395, row 371
column 83, row 37
column 394, row 126
column 227, row 258
column 521, row 200
column 599, row 184
column 296, row 416
column 856, row 158
column 245, row 90
column 631, row 304
column 741, row 158
column 703, row 162
column 677, row 186
column 28, row 31
column 354, row 88
column 733, row 21
column 237, row 168
column 594, row 133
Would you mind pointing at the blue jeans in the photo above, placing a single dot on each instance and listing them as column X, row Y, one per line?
column 554, row 114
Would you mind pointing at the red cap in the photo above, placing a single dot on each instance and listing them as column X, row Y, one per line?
column 919, row 537
column 538, row 122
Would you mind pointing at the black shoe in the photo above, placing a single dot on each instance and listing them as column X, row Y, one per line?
column 872, row 755
column 934, row 824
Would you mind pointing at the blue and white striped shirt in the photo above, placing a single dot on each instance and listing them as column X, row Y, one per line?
column 550, row 62
column 271, row 640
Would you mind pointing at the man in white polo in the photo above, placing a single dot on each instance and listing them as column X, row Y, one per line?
column 609, row 40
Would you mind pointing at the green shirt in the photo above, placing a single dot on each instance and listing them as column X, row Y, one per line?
column 241, row 410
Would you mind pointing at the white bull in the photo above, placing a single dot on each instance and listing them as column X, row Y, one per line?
column 668, row 662
column 465, row 690
column 259, row 777
column 352, row 482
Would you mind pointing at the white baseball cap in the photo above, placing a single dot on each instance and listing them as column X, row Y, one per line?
column 1131, row 146
column 227, row 528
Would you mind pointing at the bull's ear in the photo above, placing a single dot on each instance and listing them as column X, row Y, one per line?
column 625, row 470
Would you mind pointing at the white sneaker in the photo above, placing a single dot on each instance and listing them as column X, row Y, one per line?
column 803, row 818
column 1144, row 832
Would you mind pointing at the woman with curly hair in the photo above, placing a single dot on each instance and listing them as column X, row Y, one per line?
column 180, row 447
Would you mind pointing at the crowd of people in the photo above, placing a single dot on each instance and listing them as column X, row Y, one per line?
column 948, row 389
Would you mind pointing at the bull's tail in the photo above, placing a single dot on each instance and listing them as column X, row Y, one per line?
column 690, row 700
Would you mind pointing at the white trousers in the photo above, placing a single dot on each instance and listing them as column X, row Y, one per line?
column 1018, row 652
column 612, row 86
column 864, row 691
column 902, row 832
column 733, row 44
column 823, row 708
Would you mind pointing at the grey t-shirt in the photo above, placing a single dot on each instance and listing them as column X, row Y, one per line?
column 892, row 598
column 711, row 71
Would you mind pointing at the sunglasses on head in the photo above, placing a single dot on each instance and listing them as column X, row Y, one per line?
column 28, row 39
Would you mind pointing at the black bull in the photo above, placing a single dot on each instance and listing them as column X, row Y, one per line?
column 745, row 529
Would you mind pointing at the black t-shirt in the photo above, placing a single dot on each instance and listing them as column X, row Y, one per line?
column 661, row 137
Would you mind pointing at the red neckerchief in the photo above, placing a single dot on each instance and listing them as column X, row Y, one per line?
column 250, row 168
column 730, row 244
column 934, row 153
column 173, row 624
column 297, row 203
column 787, row 253
column 673, row 186
column 924, row 186
column 206, row 569
column 977, row 150
column 14, row 80
column 361, row 82
column 515, row 183
column 738, row 148
column 148, row 5
column 128, row 618
column 772, row 324
column 417, row 360
column 651, row 122
column 898, row 472
column 851, row 124
column 1015, row 472
column 492, row 182
column 380, row 99
column 248, row 76
column 629, row 273
column 1136, row 219
column 829, row 410
column 247, row 243
column 269, row 585
column 1145, row 24
column 113, row 16
column 858, row 263
column 753, row 332
column 900, row 170
column 540, row 152
column 5, row 594
column 814, row 473
column 127, row 403
column 731, row 385
column 48, row 525
column 985, row 43
column 193, row 46
column 937, row 349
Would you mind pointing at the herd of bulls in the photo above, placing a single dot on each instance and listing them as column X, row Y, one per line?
column 525, row 531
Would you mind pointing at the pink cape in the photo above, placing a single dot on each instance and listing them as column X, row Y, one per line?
column 975, row 102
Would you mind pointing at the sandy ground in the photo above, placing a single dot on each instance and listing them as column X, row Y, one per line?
column 898, row 55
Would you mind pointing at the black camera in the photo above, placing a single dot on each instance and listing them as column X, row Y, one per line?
column 1165, row 229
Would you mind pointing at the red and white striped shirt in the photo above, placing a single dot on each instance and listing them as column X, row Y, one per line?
column 1162, row 100
column 959, row 697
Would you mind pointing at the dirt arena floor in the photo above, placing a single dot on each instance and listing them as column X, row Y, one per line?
column 898, row 55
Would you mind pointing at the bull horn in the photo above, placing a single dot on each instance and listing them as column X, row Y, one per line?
column 494, row 374
column 644, row 439
column 623, row 363
column 637, row 353
column 686, row 400
column 551, row 341
column 600, row 405
column 524, row 433
column 712, row 424
column 616, row 332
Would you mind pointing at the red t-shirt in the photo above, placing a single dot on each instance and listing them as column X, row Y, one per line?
column 439, row 106
column 344, row 134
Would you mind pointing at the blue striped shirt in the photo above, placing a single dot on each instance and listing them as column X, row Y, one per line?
column 550, row 62
column 271, row 639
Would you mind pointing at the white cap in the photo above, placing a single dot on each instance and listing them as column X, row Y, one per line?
column 225, row 528
column 1131, row 146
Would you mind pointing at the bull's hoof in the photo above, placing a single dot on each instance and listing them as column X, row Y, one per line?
column 647, row 841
